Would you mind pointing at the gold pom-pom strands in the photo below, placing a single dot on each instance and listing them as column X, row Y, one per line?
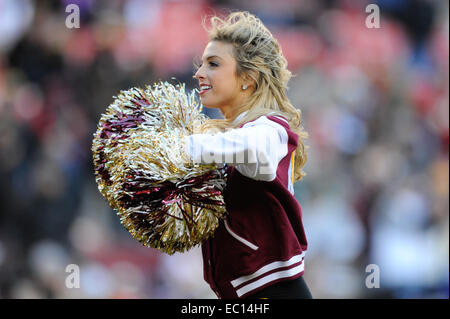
column 163, row 199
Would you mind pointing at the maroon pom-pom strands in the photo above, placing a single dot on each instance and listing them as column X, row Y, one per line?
column 163, row 199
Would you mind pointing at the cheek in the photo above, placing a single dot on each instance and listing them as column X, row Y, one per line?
column 225, row 89
column 226, row 84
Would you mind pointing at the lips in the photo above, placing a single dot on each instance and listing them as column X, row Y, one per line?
column 204, row 88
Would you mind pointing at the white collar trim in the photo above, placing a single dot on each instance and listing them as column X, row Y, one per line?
column 240, row 116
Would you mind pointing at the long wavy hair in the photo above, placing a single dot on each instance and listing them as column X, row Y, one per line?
column 258, row 56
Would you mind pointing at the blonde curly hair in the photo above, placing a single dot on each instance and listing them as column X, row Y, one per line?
column 258, row 56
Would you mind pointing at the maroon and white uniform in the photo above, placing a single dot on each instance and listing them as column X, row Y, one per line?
column 261, row 241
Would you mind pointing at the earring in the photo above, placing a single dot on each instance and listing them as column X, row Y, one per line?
column 244, row 87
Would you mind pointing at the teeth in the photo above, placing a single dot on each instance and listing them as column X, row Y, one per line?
column 205, row 87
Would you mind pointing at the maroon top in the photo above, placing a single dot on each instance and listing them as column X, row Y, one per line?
column 262, row 240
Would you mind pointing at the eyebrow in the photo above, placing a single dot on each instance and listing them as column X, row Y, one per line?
column 213, row 56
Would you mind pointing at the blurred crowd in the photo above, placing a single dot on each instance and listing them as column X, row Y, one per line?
column 375, row 102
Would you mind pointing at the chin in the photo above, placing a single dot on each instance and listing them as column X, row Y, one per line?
column 209, row 105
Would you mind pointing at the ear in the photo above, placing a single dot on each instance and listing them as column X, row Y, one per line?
column 250, row 79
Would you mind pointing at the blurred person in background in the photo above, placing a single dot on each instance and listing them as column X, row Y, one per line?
column 374, row 102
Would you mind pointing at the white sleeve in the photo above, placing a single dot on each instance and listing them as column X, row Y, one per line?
column 255, row 149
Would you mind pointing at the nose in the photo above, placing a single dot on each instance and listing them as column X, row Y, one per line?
column 199, row 74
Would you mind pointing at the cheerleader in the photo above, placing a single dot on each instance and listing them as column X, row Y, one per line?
column 258, row 250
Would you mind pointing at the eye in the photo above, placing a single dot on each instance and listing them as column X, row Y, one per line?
column 212, row 64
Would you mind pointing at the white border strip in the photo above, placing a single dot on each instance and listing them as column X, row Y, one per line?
column 267, row 268
column 274, row 276
column 281, row 118
column 239, row 238
column 275, row 114
column 291, row 173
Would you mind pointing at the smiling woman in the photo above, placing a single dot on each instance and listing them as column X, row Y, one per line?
column 259, row 249
column 250, row 77
column 220, row 86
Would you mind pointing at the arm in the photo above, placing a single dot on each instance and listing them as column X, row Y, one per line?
column 255, row 149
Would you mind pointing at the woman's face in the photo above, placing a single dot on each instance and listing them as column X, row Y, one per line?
column 220, row 87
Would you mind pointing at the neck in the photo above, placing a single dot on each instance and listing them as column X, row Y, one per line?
column 229, row 113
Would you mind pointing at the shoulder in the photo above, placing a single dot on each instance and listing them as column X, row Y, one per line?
column 268, row 119
column 271, row 123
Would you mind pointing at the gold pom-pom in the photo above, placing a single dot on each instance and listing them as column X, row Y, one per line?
column 163, row 199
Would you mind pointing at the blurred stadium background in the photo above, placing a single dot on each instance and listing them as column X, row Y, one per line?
column 375, row 102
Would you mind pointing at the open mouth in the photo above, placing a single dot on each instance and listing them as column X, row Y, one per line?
column 204, row 89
